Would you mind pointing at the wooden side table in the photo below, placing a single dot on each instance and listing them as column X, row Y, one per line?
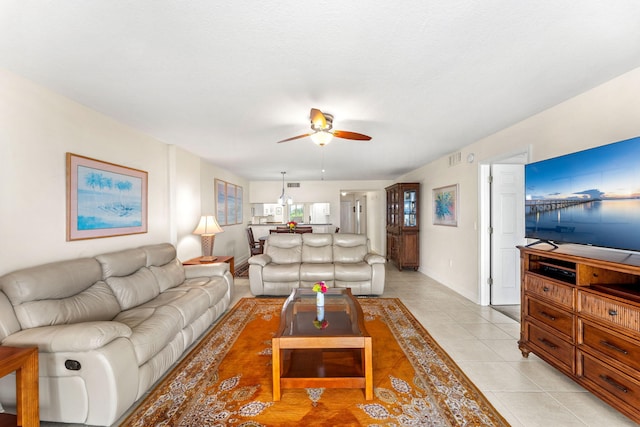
column 24, row 361
column 219, row 258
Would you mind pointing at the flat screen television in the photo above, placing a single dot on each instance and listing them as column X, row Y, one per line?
column 590, row 197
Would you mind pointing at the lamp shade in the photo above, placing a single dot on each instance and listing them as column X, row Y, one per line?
column 208, row 225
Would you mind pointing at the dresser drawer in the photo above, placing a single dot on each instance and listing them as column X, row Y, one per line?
column 621, row 349
column 558, row 319
column 611, row 312
column 623, row 387
column 552, row 345
column 560, row 294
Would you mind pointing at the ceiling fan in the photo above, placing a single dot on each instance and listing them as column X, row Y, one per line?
column 321, row 124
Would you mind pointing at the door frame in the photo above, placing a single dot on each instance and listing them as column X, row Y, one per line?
column 520, row 156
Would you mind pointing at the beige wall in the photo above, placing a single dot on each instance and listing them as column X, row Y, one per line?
column 37, row 128
column 606, row 114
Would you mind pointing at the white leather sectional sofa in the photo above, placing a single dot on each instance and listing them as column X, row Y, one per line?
column 107, row 327
column 300, row 260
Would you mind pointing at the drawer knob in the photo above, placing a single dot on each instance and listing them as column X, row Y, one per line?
column 613, row 347
column 610, row 381
column 612, row 312
column 548, row 343
column 545, row 289
column 547, row 315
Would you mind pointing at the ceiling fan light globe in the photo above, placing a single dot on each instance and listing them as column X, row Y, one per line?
column 321, row 138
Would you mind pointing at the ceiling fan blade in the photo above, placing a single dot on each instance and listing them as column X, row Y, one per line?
column 318, row 119
column 294, row 137
column 350, row 135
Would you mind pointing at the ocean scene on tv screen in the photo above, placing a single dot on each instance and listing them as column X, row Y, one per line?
column 589, row 197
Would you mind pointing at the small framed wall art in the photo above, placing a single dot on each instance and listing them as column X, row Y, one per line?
column 228, row 203
column 104, row 199
column 445, row 205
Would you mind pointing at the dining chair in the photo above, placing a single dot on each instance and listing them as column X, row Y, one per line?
column 254, row 246
column 302, row 230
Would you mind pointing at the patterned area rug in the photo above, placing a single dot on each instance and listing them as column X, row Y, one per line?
column 226, row 379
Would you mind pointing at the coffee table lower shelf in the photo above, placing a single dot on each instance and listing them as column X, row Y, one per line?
column 331, row 362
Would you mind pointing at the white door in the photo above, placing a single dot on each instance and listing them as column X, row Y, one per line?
column 346, row 217
column 507, row 223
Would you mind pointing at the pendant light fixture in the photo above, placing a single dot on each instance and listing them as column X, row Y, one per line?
column 284, row 199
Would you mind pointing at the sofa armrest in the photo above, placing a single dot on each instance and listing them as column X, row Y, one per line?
column 206, row 270
column 261, row 260
column 372, row 258
column 73, row 337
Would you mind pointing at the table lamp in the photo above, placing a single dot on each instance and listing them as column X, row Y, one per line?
column 207, row 229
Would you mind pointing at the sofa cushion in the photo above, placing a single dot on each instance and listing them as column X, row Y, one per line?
column 349, row 248
column 73, row 293
column 122, row 263
column 214, row 287
column 189, row 302
column 162, row 261
column 94, row 303
column 281, row 273
column 8, row 320
column 168, row 275
column 352, row 272
column 317, row 248
column 311, row 273
column 153, row 328
column 84, row 336
column 284, row 248
column 135, row 289
column 63, row 279
column 160, row 254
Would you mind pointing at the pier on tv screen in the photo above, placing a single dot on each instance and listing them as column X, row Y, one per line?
column 590, row 197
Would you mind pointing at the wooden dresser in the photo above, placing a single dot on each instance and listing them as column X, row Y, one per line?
column 580, row 312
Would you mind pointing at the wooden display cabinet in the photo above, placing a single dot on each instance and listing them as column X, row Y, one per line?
column 580, row 312
column 403, row 225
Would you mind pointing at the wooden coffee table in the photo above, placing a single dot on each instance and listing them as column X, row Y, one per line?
column 338, row 356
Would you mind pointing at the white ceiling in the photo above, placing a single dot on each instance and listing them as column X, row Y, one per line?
column 226, row 79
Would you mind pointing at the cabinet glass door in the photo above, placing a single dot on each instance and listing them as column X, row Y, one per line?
column 410, row 219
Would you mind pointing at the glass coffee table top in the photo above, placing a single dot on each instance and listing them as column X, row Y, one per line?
column 339, row 317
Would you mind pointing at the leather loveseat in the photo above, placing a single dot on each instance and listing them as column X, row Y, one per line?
column 300, row 260
column 107, row 327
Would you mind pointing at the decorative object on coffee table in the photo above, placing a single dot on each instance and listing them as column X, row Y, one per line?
column 320, row 289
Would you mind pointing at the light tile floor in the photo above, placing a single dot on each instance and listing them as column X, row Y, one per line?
column 483, row 342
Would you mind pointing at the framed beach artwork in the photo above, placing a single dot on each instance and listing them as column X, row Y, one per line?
column 228, row 203
column 221, row 202
column 104, row 199
column 445, row 205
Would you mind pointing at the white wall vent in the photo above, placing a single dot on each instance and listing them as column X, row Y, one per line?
column 293, row 185
column 455, row 158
